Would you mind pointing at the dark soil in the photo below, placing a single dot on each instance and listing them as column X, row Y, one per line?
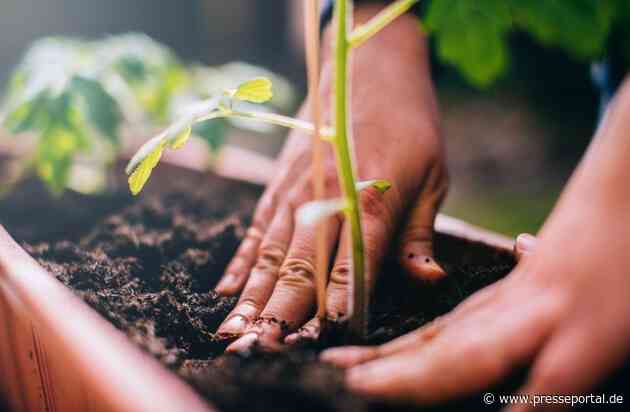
column 149, row 268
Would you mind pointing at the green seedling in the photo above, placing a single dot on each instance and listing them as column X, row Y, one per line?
column 259, row 91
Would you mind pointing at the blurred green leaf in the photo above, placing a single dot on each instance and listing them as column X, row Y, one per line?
column 212, row 132
column 100, row 108
column 55, row 152
column 579, row 26
column 30, row 115
column 132, row 68
column 471, row 36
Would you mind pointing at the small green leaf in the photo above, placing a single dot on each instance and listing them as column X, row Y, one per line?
column 256, row 91
column 100, row 108
column 181, row 137
column 314, row 212
column 379, row 184
column 141, row 174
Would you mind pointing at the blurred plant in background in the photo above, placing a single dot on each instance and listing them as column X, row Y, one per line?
column 473, row 35
column 76, row 101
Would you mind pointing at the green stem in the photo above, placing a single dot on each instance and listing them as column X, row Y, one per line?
column 377, row 23
column 270, row 118
column 345, row 168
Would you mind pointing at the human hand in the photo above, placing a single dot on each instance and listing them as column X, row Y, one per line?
column 397, row 138
column 565, row 308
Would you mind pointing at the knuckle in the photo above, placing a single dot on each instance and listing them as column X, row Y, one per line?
column 373, row 204
column 270, row 258
column 340, row 275
column 296, row 198
column 298, row 272
column 238, row 263
column 247, row 305
column 266, row 205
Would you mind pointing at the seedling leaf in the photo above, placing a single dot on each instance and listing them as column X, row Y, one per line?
column 379, row 184
column 181, row 137
column 257, row 90
column 141, row 174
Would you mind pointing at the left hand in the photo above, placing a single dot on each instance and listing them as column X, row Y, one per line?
column 565, row 308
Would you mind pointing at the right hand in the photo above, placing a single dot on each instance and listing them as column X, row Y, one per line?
column 395, row 122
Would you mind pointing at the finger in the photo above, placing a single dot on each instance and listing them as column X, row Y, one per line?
column 238, row 269
column 310, row 331
column 336, row 291
column 345, row 357
column 377, row 226
column 476, row 351
column 525, row 245
column 573, row 362
column 293, row 297
column 263, row 276
column 416, row 252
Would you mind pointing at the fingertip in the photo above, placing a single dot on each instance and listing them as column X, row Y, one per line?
column 423, row 267
column 304, row 334
column 348, row 356
column 243, row 344
column 233, row 326
column 228, row 285
column 525, row 244
column 293, row 338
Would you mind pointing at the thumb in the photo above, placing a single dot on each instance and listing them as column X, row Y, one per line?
column 525, row 245
column 416, row 252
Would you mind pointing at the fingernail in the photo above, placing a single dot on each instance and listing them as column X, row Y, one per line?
column 233, row 326
column 244, row 343
column 293, row 339
column 525, row 243
column 227, row 283
column 427, row 267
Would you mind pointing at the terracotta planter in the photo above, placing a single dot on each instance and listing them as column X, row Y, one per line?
column 57, row 354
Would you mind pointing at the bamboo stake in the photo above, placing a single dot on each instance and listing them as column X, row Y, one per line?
column 312, row 33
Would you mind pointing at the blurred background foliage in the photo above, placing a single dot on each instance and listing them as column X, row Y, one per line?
column 511, row 145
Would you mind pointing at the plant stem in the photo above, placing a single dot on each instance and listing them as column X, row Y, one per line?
column 342, row 143
column 270, row 118
column 311, row 20
column 363, row 33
